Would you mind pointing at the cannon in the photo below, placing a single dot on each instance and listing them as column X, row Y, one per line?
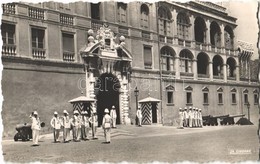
column 24, row 132
column 209, row 120
column 224, row 119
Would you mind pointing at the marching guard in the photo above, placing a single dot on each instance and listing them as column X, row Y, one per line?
column 113, row 116
column 106, row 124
column 36, row 127
column 66, row 126
column 94, row 123
column 85, row 126
column 56, row 125
column 76, row 126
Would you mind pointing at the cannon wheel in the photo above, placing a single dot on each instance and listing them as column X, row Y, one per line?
column 16, row 137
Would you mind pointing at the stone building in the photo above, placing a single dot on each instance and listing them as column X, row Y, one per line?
column 184, row 54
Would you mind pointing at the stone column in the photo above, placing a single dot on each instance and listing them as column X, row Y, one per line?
column 177, row 67
column 237, row 74
column 91, row 85
column 175, row 33
column 195, row 72
column 222, row 29
column 192, row 32
column 225, row 72
column 210, row 71
column 124, row 101
column 208, row 32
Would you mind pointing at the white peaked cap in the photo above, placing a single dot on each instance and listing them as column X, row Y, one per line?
column 106, row 110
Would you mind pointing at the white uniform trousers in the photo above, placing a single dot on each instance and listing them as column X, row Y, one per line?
column 107, row 134
column 35, row 136
column 66, row 134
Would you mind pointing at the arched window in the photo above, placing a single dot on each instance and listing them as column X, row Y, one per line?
column 229, row 37
column 183, row 24
column 215, row 38
column 217, row 66
column 164, row 20
column 144, row 16
column 200, row 30
column 167, row 55
column 122, row 12
column 231, row 67
column 202, row 63
column 186, row 61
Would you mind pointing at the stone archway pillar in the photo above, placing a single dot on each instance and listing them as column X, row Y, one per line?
column 124, row 101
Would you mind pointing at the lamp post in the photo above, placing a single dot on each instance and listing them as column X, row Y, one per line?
column 136, row 96
column 248, row 111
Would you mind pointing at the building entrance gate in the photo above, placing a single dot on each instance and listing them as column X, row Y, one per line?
column 107, row 89
column 108, row 68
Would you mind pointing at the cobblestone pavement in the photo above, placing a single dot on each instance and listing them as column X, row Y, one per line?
column 145, row 144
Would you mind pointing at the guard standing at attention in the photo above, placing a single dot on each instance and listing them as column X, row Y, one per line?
column 113, row 116
column 56, row 125
column 190, row 117
column 36, row 127
column 185, row 117
column 76, row 126
column 106, row 124
column 85, row 126
column 139, row 116
column 94, row 123
column 181, row 118
column 66, row 126
column 200, row 118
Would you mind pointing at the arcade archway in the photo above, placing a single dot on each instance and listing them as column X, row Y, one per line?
column 107, row 94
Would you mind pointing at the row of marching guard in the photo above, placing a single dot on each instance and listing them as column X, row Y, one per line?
column 191, row 118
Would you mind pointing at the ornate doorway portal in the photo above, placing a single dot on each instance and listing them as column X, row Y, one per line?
column 107, row 64
column 107, row 94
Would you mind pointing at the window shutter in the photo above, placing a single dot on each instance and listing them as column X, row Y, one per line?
column 161, row 27
column 171, row 64
column 148, row 57
column 168, row 24
column 164, row 63
column 68, row 42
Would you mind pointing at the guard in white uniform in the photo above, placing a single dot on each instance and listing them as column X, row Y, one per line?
column 85, row 126
column 76, row 124
column 139, row 116
column 94, row 123
column 36, row 127
column 190, row 117
column 106, row 124
column 181, row 118
column 56, row 125
column 196, row 117
column 185, row 117
column 113, row 116
column 200, row 118
column 66, row 126
column 193, row 117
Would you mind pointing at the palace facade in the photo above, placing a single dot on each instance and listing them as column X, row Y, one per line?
column 184, row 54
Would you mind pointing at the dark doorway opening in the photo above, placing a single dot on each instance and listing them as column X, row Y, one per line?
column 107, row 94
column 154, row 112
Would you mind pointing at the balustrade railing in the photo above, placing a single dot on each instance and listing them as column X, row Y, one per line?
column 68, row 56
column 36, row 13
column 38, row 53
column 66, row 19
column 8, row 8
column 9, row 50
